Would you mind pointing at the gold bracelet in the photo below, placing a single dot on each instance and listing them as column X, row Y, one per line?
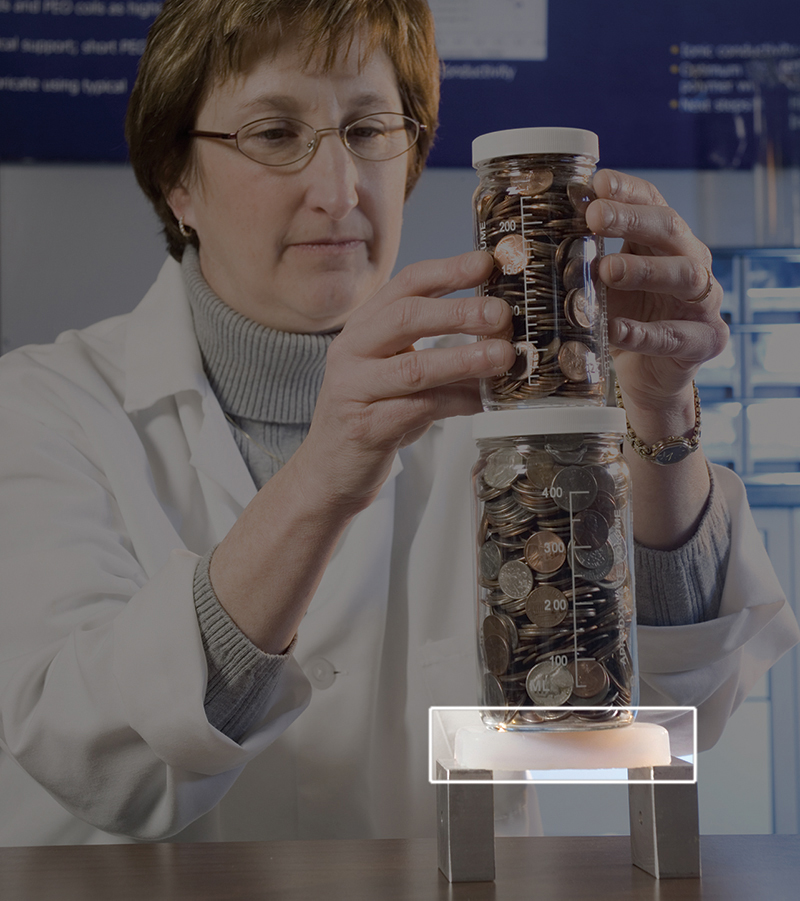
column 670, row 450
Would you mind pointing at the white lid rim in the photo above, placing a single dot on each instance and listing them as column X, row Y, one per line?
column 549, row 420
column 535, row 140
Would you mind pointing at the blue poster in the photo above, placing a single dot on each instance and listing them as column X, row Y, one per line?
column 702, row 84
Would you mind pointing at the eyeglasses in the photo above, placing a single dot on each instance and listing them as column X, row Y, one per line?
column 281, row 142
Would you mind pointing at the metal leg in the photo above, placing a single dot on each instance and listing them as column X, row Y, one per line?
column 665, row 831
column 465, row 823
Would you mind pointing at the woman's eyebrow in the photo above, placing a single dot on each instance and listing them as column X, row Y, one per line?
column 368, row 101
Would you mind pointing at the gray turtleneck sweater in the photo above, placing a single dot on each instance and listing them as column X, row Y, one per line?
column 267, row 383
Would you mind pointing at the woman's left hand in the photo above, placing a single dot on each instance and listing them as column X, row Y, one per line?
column 659, row 332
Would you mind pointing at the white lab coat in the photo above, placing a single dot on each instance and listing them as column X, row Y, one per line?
column 117, row 470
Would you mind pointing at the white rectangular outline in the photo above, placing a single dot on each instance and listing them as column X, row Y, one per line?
column 431, row 763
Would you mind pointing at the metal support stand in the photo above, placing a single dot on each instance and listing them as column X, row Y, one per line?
column 665, row 831
column 465, row 823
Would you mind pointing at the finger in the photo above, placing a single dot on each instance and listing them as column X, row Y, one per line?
column 681, row 339
column 416, row 413
column 435, row 278
column 681, row 277
column 656, row 227
column 624, row 188
column 412, row 373
column 392, row 328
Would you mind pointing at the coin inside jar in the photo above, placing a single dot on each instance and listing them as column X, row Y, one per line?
column 549, row 684
column 590, row 678
column 575, row 360
column 497, row 654
column 510, row 254
column 545, row 552
column 516, row 579
column 490, row 559
column 574, row 488
column 546, row 606
column 502, row 467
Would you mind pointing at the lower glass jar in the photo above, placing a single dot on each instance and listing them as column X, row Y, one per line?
column 555, row 587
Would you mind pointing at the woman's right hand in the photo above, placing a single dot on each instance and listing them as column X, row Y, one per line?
column 380, row 394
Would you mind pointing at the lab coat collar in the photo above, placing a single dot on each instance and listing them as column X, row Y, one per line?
column 162, row 357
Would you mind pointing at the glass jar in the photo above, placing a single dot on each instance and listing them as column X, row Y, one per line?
column 528, row 211
column 554, row 569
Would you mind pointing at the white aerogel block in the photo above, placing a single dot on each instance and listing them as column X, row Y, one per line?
column 636, row 745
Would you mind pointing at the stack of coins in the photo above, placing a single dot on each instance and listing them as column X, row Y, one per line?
column 554, row 581
column 532, row 222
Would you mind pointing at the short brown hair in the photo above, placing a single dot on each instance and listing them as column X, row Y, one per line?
column 195, row 44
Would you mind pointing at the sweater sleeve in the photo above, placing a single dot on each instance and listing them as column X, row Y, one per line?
column 241, row 677
column 684, row 586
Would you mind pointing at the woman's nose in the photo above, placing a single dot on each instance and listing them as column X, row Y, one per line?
column 332, row 174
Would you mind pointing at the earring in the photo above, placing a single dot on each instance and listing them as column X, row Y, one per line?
column 185, row 230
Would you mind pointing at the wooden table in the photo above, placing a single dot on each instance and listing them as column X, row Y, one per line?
column 735, row 868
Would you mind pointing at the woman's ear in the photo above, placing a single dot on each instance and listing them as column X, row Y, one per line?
column 180, row 202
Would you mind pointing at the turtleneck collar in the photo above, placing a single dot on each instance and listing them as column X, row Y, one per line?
column 256, row 372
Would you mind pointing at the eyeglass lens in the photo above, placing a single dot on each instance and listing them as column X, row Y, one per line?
column 278, row 142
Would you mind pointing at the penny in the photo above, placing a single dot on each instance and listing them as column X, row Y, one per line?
column 578, row 309
column 497, row 654
column 516, row 579
column 541, row 474
column 545, row 552
column 510, row 254
column 573, row 274
column 574, row 488
column 490, row 559
column 534, row 182
column 590, row 678
column 494, row 625
column 580, row 195
column 549, row 684
column 589, row 530
column 574, row 360
column 527, row 361
column 546, row 606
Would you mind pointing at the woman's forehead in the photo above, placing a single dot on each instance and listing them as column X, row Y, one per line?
column 287, row 78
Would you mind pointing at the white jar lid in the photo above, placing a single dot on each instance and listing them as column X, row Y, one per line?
column 553, row 420
column 523, row 141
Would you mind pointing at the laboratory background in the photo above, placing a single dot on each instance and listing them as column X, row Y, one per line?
column 702, row 98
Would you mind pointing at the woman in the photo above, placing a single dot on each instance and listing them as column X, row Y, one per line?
column 202, row 536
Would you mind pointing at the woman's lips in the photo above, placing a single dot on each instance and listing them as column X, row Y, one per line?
column 347, row 245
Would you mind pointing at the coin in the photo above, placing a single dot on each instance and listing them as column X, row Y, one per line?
column 510, row 254
column 574, row 358
column 490, row 559
column 590, row 677
column 573, row 274
column 534, row 182
column 502, row 467
column 527, row 361
column 546, row 606
column 580, row 195
column 540, row 469
column 516, row 579
column 545, row 552
column 589, row 529
column 592, row 565
column 497, row 654
column 493, row 694
column 549, row 684
column 574, row 488
column 494, row 625
column 579, row 309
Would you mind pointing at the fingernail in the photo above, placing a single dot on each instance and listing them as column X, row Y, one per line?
column 495, row 352
column 613, row 182
column 607, row 214
column 493, row 310
column 616, row 268
column 622, row 329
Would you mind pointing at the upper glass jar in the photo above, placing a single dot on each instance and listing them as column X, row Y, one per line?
column 529, row 213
